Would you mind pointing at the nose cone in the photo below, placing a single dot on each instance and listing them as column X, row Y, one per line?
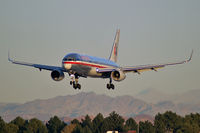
column 68, row 66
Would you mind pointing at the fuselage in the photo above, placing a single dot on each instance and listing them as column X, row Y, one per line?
column 86, row 65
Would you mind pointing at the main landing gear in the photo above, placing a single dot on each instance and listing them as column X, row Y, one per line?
column 110, row 85
column 75, row 83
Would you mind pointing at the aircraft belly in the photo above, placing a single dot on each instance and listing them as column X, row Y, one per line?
column 85, row 70
column 93, row 73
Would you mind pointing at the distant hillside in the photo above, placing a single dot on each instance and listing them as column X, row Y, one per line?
column 89, row 103
column 155, row 96
column 152, row 95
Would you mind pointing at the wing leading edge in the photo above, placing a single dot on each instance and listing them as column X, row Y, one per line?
column 141, row 68
column 39, row 66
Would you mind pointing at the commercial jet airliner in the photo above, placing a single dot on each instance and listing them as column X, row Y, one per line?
column 79, row 65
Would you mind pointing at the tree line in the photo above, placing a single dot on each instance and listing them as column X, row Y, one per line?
column 163, row 123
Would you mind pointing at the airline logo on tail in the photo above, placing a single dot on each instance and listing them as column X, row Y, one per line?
column 114, row 52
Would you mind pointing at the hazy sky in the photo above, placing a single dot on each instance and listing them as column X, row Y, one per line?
column 152, row 31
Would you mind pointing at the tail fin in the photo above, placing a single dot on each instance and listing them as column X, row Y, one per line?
column 114, row 52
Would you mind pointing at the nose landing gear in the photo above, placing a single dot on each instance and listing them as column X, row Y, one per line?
column 76, row 86
column 75, row 83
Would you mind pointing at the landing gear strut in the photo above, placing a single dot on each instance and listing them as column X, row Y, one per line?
column 75, row 83
column 110, row 85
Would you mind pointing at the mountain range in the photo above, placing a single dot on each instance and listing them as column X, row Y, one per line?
column 72, row 106
column 155, row 96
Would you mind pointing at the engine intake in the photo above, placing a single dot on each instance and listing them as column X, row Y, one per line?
column 118, row 75
column 57, row 75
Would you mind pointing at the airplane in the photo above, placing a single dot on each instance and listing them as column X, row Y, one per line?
column 79, row 65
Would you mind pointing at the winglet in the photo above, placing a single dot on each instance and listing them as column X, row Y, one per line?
column 190, row 57
column 9, row 56
column 9, row 59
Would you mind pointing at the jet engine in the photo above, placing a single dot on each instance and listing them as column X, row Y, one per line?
column 118, row 75
column 57, row 75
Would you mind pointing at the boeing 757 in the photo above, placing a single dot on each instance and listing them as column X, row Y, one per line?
column 79, row 65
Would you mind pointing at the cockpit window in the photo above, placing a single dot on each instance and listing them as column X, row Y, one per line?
column 71, row 57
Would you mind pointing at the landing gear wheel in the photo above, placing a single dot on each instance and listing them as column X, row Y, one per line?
column 112, row 86
column 75, row 86
column 108, row 86
column 79, row 86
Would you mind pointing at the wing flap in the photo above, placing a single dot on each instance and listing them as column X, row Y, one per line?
column 139, row 69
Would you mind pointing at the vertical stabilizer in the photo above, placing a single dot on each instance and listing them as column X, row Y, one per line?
column 114, row 52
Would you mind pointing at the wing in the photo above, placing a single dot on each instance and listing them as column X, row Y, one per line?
column 39, row 66
column 141, row 68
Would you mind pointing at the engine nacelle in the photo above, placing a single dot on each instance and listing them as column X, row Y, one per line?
column 57, row 75
column 118, row 75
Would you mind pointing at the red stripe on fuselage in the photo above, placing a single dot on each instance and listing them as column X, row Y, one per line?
column 84, row 63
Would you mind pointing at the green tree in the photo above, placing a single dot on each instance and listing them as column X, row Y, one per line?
column 187, row 128
column 75, row 121
column 2, row 126
column 86, row 129
column 113, row 122
column 55, row 125
column 195, row 118
column 78, row 129
column 97, row 123
column 159, row 123
column 131, row 124
column 189, row 124
column 18, row 121
column 167, row 122
column 35, row 126
column 87, row 122
column 11, row 128
column 171, row 120
column 159, row 127
column 146, row 127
